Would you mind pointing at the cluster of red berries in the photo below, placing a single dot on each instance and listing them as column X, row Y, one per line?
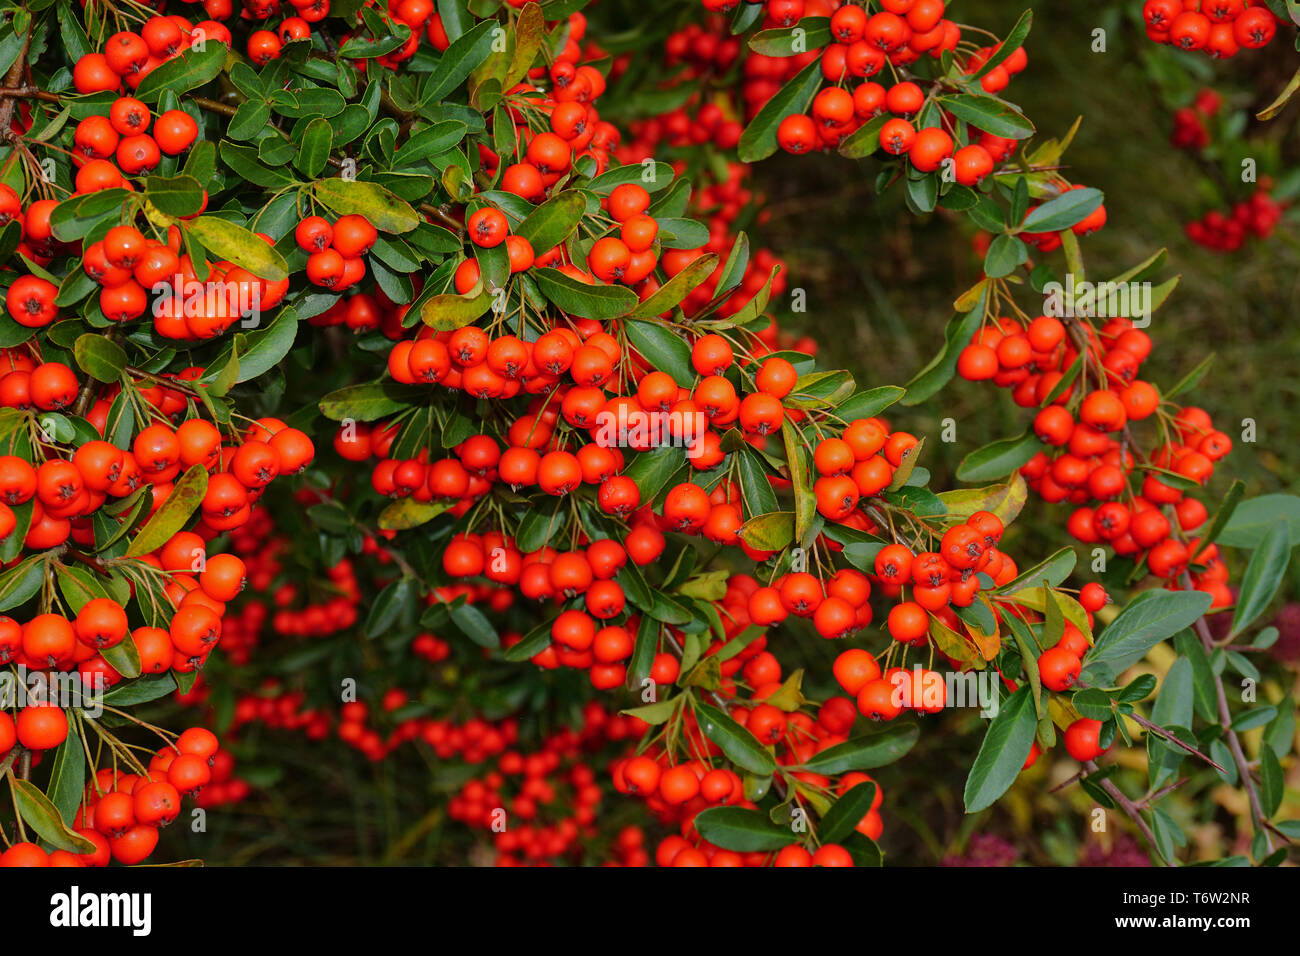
column 1218, row 28
column 279, row 709
column 628, row 257
column 1088, row 461
column 124, row 135
column 1189, row 121
column 1253, row 218
column 706, row 48
column 367, row 312
column 126, row 264
column 900, row 33
column 540, row 805
column 121, row 813
column 336, row 252
column 129, row 57
column 676, row 792
column 47, row 386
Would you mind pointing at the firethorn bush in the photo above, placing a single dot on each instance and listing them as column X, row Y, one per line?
column 415, row 377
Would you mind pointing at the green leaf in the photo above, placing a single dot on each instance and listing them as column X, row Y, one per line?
column 583, row 300
column 1150, row 618
column 1013, row 41
column 407, row 513
column 1047, row 573
column 76, row 216
column 183, row 501
column 1173, row 708
column 869, row 403
column 758, row 141
column 1220, row 520
column 227, row 240
column 1271, row 781
column 1263, row 576
column 140, row 691
column 678, row 288
column 989, row 114
column 124, row 658
column 865, row 140
column 805, row 502
column 265, row 348
column 741, row 830
column 534, row 642
column 770, row 531
column 79, row 586
column 474, row 625
column 314, row 146
column 663, row 348
column 448, row 312
column 740, row 746
column 961, row 327
column 175, row 196
column 20, row 583
column 43, row 817
column 846, row 813
column 812, row 32
column 385, row 211
column 459, row 60
column 251, row 117
column 1252, row 519
column 68, row 775
column 1064, row 211
column 1004, row 500
column 656, row 713
column 365, row 403
column 429, row 142
column 1005, row 255
column 188, row 71
column 652, row 469
column 1204, row 697
column 650, row 176
column 755, row 488
column 999, row 459
column 643, row 654
column 1002, row 754
column 553, row 221
column 866, row 752
column 99, row 356
column 388, row 606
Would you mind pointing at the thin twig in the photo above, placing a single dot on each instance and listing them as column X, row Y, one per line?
column 1234, row 742
column 1161, row 732
column 1128, row 806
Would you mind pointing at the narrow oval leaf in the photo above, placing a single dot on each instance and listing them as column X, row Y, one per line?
column 386, row 212
column 227, row 240
column 741, row 830
column 863, row 753
column 1263, row 576
column 999, row 459
column 1003, row 752
column 759, row 139
column 43, row 817
column 183, row 501
column 741, row 747
column 663, row 348
column 1150, row 618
